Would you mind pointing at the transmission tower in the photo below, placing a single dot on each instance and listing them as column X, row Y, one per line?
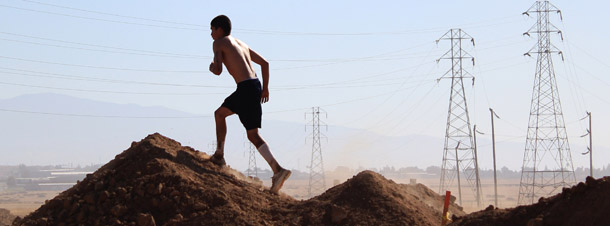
column 317, row 183
column 459, row 157
column 547, row 161
column 212, row 146
column 251, row 171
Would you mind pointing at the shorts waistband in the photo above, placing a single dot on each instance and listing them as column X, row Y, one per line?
column 248, row 82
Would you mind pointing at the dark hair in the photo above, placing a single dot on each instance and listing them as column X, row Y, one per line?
column 222, row 21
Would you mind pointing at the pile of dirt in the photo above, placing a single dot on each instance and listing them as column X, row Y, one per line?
column 584, row 204
column 370, row 199
column 432, row 198
column 6, row 217
column 159, row 182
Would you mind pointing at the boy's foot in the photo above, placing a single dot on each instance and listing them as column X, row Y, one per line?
column 218, row 160
column 278, row 179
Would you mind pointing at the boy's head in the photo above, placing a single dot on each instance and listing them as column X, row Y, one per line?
column 223, row 22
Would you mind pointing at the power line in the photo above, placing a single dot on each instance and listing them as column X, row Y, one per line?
column 105, row 91
column 333, row 61
column 200, row 25
column 84, row 78
column 404, row 81
column 334, row 85
column 103, row 46
column 112, row 14
column 486, row 23
column 111, row 116
column 101, row 67
column 103, row 116
column 98, row 19
column 376, row 57
column 106, row 51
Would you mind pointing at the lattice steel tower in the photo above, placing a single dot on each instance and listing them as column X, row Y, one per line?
column 547, row 161
column 459, row 158
column 317, row 181
column 251, row 161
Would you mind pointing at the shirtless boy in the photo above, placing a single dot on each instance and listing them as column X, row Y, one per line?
column 247, row 99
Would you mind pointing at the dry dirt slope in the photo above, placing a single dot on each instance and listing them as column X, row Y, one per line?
column 159, row 182
column 584, row 204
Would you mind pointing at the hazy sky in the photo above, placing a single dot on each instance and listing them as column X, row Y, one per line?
column 369, row 64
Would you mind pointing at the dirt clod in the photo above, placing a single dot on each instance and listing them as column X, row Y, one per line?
column 146, row 220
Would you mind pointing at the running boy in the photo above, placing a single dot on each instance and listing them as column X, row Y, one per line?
column 247, row 99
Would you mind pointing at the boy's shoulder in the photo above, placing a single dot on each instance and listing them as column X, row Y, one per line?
column 222, row 41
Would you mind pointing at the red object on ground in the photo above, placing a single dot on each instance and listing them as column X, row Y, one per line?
column 446, row 207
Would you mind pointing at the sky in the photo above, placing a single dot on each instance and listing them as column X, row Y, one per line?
column 371, row 65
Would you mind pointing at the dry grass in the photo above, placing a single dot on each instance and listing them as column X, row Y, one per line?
column 21, row 203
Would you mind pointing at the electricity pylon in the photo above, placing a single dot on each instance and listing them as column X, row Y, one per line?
column 547, row 161
column 212, row 146
column 251, row 172
column 317, row 181
column 459, row 158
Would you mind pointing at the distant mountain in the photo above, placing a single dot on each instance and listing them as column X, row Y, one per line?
column 42, row 129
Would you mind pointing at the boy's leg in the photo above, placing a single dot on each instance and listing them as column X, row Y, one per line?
column 279, row 174
column 221, row 132
column 263, row 149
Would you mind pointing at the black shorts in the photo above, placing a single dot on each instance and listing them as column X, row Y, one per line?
column 246, row 103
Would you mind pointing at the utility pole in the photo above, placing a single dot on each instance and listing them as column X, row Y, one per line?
column 458, row 133
column 590, row 144
column 476, row 156
column 590, row 148
column 547, row 160
column 493, row 142
column 317, row 181
column 457, row 164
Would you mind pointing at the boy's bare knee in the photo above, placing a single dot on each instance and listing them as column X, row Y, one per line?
column 218, row 113
column 255, row 138
column 221, row 113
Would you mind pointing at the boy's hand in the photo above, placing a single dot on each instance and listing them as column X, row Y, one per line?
column 265, row 96
column 212, row 67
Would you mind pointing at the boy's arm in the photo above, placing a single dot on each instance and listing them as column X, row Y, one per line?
column 265, row 70
column 216, row 65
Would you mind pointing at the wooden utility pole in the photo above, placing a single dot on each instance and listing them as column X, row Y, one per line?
column 493, row 141
column 476, row 164
column 457, row 165
column 590, row 148
column 590, row 144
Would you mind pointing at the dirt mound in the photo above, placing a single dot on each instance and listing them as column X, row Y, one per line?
column 370, row 199
column 432, row 198
column 6, row 217
column 584, row 204
column 159, row 182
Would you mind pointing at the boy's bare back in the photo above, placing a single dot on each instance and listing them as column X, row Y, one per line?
column 236, row 56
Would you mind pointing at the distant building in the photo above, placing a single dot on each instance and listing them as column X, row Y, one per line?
column 51, row 180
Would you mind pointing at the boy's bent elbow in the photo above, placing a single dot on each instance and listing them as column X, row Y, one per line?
column 265, row 65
